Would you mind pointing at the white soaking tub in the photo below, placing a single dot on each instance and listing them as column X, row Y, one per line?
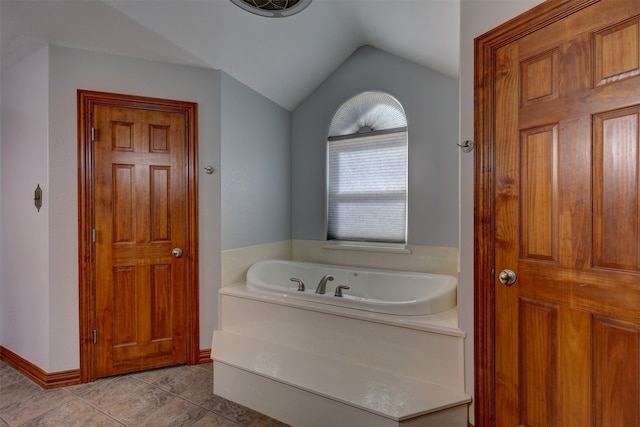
column 379, row 291
column 318, row 360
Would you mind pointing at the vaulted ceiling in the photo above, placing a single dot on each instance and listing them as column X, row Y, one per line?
column 284, row 59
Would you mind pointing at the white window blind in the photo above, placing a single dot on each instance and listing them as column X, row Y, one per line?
column 367, row 188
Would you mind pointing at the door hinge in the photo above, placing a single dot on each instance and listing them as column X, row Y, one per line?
column 95, row 336
column 93, row 134
column 93, row 235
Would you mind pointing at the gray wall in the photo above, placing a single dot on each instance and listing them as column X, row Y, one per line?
column 24, row 292
column 257, row 172
column 56, row 254
column 430, row 100
column 256, row 167
column 72, row 69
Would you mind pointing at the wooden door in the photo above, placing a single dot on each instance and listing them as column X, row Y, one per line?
column 137, row 201
column 567, row 220
column 140, row 216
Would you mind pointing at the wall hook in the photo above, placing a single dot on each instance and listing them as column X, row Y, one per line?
column 209, row 169
column 467, row 146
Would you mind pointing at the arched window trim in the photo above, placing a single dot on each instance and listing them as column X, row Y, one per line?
column 367, row 133
column 367, row 174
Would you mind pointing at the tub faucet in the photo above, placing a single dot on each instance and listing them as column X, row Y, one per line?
column 322, row 286
column 339, row 290
column 300, row 283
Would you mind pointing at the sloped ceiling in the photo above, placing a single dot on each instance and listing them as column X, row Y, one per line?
column 284, row 59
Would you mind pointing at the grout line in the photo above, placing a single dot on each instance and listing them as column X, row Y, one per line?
column 108, row 381
column 226, row 417
column 5, row 421
column 191, row 401
column 97, row 408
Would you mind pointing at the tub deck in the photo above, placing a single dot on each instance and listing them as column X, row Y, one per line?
column 308, row 367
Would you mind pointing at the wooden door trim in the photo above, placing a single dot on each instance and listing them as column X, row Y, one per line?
column 486, row 47
column 86, row 100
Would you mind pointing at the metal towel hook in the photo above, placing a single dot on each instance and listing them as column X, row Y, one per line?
column 467, row 146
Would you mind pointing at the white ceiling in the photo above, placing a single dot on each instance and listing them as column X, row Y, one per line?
column 284, row 59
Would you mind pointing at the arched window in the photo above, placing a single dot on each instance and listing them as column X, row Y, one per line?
column 367, row 170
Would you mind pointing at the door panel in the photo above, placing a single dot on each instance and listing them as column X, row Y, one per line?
column 140, row 216
column 538, row 363
column 567, row 113
column 615, row 372
column 539, row 212
column 615, row 139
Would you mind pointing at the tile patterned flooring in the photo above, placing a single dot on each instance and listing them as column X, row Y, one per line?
column 175, row 396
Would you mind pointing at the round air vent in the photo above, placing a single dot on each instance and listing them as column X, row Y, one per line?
column 273, row 8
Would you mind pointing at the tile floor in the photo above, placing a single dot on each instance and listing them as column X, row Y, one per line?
column 176, row 396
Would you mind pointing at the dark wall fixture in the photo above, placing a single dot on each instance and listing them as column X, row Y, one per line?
column 37, row 197
column 272, row 8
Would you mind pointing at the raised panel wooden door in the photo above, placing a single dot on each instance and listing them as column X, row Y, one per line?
column 140, row 208
column 567, row 221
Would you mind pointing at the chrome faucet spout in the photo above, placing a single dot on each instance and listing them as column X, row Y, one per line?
column 322, row 286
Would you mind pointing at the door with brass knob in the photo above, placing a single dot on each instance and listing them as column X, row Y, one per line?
column 561, row 112
column 140, row 186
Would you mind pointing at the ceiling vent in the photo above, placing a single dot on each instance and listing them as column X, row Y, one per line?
column 273, row 8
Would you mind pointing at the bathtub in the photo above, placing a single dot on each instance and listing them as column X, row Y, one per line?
column 320, row 360
column 379, row 291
